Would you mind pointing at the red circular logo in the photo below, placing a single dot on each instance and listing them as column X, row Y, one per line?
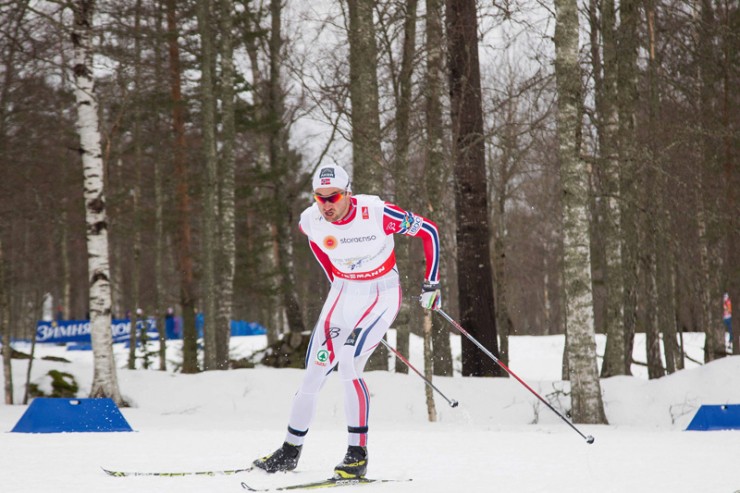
column 330, row 243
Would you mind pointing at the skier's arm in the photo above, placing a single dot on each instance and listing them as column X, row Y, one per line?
column 397, row 220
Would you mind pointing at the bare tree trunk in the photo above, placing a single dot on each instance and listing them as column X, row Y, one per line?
column 29, row 368
column 185, row 256
column 708, row 173
column 159, row 229
column 503, row 321
column 105, row 383
column 428, row 370
column 435, row 166
column 664, row 302
column 5, row 329
column 499, row 195
column 366, row 152
column 65, row 257
column 648, row 306
column 159, row 234
column 210, row 240
column 627, row 100
column 607, row 174
column 64, row 253
column 404, row 195
column 136, row 268
column 586, row 403
column 711, row 346
column 227, row 252
column 475, row 284
column 648, row 290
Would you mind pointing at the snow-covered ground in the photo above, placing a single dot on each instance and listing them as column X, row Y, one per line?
column 500, row 438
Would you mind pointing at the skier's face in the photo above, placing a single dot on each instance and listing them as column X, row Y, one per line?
column 333, row 203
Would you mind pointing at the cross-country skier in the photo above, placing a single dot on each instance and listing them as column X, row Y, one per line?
column 352, row 238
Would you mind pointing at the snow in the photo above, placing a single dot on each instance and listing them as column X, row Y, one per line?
column 500, row 438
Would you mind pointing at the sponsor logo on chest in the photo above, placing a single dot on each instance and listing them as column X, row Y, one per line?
column 330, row 242
column 357, row 239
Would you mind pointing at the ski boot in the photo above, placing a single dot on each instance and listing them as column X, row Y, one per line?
column 354, row 464
column 283, row 459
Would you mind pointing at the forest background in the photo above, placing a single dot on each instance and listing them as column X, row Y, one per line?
column 214, row 113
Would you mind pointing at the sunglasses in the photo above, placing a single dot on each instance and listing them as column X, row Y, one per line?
column 332, row 199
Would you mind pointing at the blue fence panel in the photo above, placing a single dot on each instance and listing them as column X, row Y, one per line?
column 61, row 415
column 716, row 417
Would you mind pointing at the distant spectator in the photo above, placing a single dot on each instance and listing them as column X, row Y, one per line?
column 727, row 315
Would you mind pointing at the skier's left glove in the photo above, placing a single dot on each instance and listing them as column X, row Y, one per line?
column 431, row 296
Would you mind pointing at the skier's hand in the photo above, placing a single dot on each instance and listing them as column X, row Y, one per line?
column 431, row 296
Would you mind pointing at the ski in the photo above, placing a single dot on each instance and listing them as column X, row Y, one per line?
column 326, row 483
column 220, row 472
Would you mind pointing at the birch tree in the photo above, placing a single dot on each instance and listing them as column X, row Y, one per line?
column 105, row 383
column 586, row 403
column 606, row 179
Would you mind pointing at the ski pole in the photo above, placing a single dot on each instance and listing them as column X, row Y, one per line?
column 451, row 402
column 589, row 439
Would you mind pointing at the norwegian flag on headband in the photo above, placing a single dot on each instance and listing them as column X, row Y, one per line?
column 326, row 181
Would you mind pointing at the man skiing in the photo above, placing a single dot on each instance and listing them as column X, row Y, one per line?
column 352, row 239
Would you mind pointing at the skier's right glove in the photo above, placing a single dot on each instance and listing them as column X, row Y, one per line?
column 431, row 296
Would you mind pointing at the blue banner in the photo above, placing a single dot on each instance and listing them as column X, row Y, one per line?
column 60, row 331
column 238, row 327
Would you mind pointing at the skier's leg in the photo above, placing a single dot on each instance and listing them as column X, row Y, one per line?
column 353, row 356
column 370, row 327
column 322, row 356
